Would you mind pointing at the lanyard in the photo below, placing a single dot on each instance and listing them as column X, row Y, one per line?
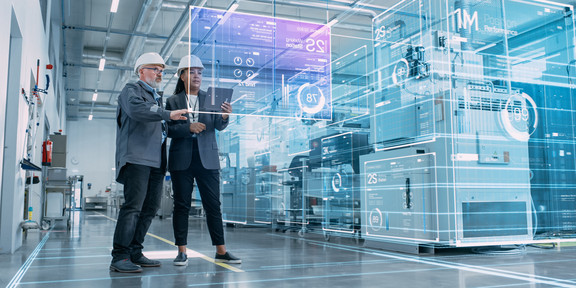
column 194, row 113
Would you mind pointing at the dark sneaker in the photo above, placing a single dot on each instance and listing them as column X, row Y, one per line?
column 145, row 262
column 227, row 258
column 181, row 259
column 125, row 266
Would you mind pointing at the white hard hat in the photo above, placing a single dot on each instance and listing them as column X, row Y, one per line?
column 148, row 58
column 189, row 61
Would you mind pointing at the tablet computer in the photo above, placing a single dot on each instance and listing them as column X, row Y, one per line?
column 215, row 97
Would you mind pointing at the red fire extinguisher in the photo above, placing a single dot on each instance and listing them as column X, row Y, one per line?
column 47, row 153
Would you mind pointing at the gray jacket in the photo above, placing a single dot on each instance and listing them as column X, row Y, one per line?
column 181, row 146
column 139, row 128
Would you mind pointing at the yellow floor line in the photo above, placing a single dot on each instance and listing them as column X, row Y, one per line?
column 199, row 255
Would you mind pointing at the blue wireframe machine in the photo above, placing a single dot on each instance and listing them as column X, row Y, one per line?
column 473, row 125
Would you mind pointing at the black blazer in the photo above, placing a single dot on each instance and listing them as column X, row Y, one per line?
column 181, row 146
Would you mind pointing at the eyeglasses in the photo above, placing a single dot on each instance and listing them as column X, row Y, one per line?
column 156, row 70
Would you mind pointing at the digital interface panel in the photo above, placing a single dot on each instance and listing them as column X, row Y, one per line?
column 277, row 67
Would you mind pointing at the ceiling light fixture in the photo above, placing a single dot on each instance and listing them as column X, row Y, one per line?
column 233, row 7
column 94, row 97
column 114, row 7
column 228, row 13
column 102, row 63
column 90, row 117
column 331, row 23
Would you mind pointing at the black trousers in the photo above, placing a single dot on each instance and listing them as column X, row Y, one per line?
column 142, row 194
column 208, row 182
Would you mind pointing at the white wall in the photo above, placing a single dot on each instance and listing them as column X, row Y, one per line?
column 91, row 152
column 28, row 16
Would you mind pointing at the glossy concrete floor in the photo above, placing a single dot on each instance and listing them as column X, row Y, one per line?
column 81, row 257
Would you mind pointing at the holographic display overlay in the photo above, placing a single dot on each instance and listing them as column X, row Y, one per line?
column 277, row 67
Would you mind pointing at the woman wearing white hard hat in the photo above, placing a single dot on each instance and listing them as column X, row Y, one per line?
column 194, row 157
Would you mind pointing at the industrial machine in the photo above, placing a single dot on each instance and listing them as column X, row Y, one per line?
column 302, row 207
column 340, row 155
column 238, row 195
column 461, row 121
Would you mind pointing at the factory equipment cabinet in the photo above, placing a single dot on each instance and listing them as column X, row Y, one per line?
column 341, row 183
column 268, row 191
column 238, row 195
column 57, row 198
column 95, row 203
column 301, row 203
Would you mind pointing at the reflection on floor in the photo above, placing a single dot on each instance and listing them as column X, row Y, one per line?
column 81, row 257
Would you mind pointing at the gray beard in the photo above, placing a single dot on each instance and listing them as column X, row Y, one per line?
column 153, row 84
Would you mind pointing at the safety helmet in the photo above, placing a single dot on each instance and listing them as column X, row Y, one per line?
column 148, row 58
column 189, row 61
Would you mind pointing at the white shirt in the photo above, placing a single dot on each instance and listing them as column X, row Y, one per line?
column 193, row 105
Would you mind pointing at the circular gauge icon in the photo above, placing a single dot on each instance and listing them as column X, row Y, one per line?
column 237, row 73
column 250, row 62
column 401, row 72
column 375, row 219
column 336, row 182
column 519, row 116
column 310, row 98
column 237, row 60
column 249, row 73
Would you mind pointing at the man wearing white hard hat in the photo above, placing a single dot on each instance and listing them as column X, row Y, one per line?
column 194, row 157
column 140, row 161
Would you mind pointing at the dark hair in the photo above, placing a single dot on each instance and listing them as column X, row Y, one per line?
column 179, row 86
